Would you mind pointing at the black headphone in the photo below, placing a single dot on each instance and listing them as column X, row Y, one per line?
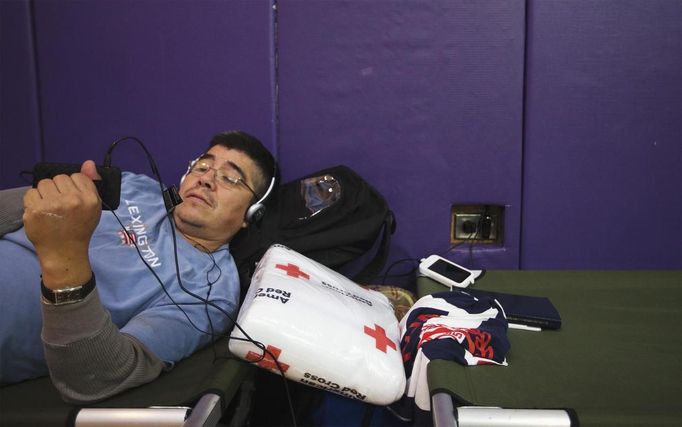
column 256, row 211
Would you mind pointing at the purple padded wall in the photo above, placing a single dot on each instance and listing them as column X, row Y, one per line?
column 19, row 119
column 603, row 148
column 422, row 98
column 172, row 73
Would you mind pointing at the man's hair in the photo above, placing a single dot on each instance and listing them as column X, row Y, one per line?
column 252, row 147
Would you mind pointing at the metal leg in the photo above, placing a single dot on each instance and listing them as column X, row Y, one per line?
column 442, row 411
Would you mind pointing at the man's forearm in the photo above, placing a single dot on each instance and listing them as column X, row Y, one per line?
column 88, row 357
column 11, row 209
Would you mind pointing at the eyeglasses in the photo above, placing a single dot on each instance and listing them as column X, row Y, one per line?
column 223, row 176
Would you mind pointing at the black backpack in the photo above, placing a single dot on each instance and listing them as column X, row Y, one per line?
column 332, row 216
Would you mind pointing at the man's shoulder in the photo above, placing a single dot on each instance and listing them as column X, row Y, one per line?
column 128, row 177
column 137, row 183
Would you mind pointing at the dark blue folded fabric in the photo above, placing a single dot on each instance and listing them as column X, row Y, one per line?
column 452, row 325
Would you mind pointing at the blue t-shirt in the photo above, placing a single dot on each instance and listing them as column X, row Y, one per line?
column 172, row 326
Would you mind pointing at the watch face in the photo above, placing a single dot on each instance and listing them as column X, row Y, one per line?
column 68, row 295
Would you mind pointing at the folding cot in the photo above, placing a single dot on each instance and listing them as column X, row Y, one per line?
column 616, row 360
column 196, row 392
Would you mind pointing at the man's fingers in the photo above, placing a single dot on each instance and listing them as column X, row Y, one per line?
column 47, row 188
column 31, row 197
column 84, row 184
column 89, row 169
column 64, row 184
column 67, row 190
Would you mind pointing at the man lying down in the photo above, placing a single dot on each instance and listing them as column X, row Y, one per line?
column 127, row 320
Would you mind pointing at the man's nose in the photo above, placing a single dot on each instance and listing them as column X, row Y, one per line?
column 209, row 178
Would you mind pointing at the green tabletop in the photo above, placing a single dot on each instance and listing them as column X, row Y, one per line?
column 617, row 359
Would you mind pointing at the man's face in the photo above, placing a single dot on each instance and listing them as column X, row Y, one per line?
column 213, row 211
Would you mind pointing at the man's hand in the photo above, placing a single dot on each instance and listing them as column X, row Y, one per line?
column 60, row 215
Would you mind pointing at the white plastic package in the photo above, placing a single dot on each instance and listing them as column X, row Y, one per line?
column 324, row 330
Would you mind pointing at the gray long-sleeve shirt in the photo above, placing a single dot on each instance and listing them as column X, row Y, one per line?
column 89, row 359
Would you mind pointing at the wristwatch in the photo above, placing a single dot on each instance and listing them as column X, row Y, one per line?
column 66, row 295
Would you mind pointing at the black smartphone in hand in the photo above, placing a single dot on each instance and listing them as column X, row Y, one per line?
column 109, row 187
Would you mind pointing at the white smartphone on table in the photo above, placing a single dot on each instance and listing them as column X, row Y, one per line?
column 447, row 272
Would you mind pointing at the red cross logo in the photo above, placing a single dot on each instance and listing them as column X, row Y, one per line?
column 379, row 334
column 267, row 362
column 293, row 270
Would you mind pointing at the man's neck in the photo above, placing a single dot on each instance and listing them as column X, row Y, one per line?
column 202, row 244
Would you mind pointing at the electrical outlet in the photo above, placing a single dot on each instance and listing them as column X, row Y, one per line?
column 476, row 223
column 475, row 226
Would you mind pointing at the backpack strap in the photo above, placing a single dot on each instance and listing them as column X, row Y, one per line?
column 373, row 267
